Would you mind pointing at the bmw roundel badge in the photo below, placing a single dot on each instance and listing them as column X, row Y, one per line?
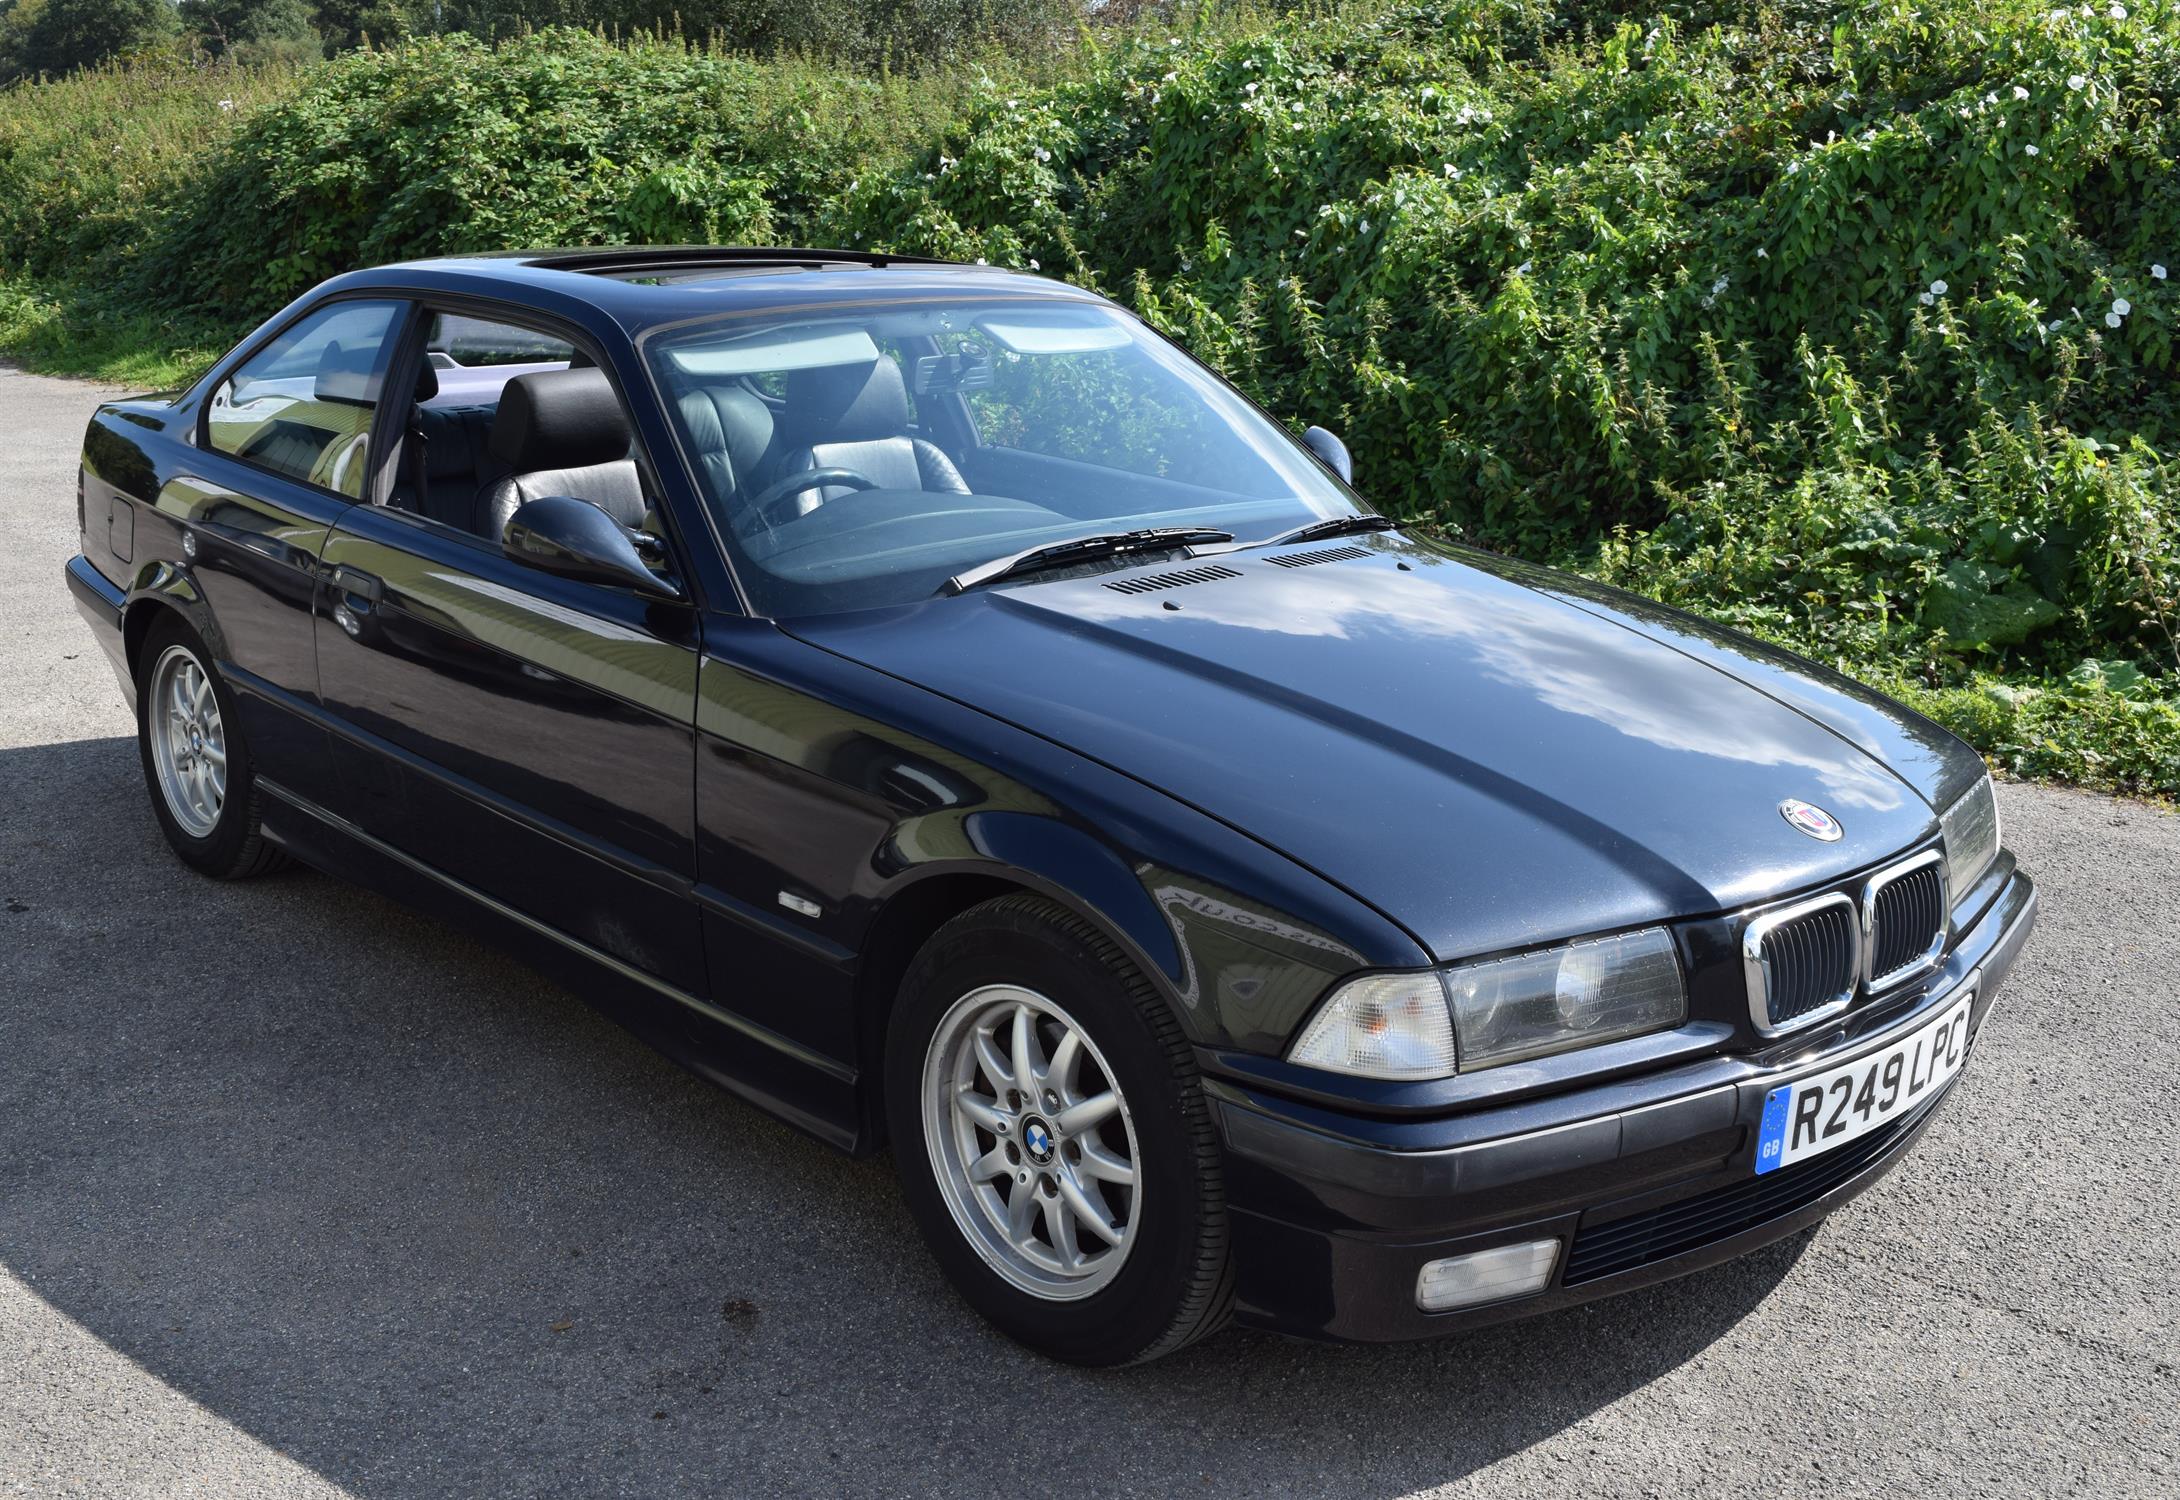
column 1037, row 1140
column 1811, row 819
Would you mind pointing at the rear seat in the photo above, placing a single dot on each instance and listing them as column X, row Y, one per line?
column 458, row 464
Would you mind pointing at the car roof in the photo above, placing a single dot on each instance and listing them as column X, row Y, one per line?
column 646, row 286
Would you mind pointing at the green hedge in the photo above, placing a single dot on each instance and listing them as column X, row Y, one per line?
column 1845, row 323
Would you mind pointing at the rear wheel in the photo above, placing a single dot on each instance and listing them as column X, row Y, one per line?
column 1051, row 1135
column 195, row 763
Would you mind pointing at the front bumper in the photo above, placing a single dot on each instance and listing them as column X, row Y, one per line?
column 1640, row 1180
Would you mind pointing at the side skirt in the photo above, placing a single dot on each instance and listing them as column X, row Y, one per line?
column 802, row 1087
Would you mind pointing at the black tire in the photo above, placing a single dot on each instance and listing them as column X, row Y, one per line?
column 235, row 845
column 1176, row 1282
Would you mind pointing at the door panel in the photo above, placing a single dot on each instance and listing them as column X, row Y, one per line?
column 530, row 736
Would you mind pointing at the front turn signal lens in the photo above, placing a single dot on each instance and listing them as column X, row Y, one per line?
column 1392, row 1026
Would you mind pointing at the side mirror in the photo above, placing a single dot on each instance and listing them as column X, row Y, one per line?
column 575, row 539
column 1331, row 452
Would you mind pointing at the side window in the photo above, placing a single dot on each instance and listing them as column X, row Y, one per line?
column 304, row 405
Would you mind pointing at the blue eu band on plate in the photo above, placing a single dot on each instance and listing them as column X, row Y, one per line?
column 1813, row 1115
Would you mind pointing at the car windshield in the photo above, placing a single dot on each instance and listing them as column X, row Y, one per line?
column 861, row 458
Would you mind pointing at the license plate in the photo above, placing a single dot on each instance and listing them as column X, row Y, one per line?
column 1824, row 1111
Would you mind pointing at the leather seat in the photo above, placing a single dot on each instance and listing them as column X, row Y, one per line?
column 561, row 432
column 856, row 417
column 730, row 434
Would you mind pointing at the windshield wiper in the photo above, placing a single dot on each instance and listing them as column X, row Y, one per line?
column 1082, row 549
column 1331, row 526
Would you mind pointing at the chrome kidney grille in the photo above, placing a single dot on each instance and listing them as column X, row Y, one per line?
column 1904, row 913
column 1807, row 961
column 1803, row 962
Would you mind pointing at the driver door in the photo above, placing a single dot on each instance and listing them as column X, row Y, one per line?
column 528, row 736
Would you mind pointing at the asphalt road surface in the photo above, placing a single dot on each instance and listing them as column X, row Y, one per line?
column 302, row 1194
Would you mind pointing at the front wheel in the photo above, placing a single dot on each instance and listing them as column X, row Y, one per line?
column 1052, row 1139
column 195, row 763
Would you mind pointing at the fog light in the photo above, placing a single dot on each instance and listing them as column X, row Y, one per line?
column 1486, row 1276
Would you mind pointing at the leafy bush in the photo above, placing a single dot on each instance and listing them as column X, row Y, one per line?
column 1848, row 323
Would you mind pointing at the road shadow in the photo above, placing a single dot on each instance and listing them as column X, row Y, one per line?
column 396, row 1207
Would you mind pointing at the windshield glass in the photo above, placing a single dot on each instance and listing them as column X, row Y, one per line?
column 861, row 458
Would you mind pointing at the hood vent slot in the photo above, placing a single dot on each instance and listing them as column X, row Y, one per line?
column 1180, row 578
column 1318, row 555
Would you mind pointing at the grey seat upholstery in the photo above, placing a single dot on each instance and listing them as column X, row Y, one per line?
column 856, row 417
column 731, row 434
column 561, row 432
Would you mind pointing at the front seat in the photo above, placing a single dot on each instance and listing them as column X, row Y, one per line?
column 856, row 417
column 561, row 432
column 730, row 433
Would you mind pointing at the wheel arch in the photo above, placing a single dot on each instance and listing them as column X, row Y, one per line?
column 1121, row 910
column 163, row 592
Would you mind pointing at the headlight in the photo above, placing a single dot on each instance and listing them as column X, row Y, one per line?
column 1971, row 835
column 1536, row 1004
column 1403, row 1026
column 1384, row 1026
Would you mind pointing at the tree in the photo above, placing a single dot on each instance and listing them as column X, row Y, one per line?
column 59, row 36
column 223, row 26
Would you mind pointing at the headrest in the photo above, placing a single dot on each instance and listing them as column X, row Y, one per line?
column 847, row 403
column 728, row 421
column 427, row 383
column 344, row 375
column 559, row 419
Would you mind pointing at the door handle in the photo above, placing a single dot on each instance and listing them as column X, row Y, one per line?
column 365, row 586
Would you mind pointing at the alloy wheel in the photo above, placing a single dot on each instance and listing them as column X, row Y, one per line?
column 1031, row 1142
column 188, row 741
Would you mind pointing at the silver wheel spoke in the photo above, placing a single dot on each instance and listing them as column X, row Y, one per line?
column 1060, row 1072
column 1095, row 1215
column 1077, row 1118
column 1026, row 1071
column 996, row 1070
column 1022, row 1214
column 992, row 1163
column 1060, row 1228
column 980, row 1113
column 1101, row 1165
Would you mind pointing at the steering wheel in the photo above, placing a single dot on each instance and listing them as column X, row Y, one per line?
column 762, row 504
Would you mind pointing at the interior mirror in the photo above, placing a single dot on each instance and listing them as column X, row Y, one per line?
column 575, row 539
column 1330, row 451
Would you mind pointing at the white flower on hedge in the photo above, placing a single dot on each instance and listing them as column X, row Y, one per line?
column 2122, row 306
column 2075, row 81
column 1762, row 253
column 1792, row 167
column 2157, row 273
column 227, row 104
column 2031, row 149
column 2054, row 325
column 1522, row 269
column 2019, row 92
column 1928, row 298
column 1295, row 108
column 1042, row 154
column 1249, row 88
column 2111, row 320
column 2117, row 12
column 1720, row 285
column 1033, row 264
column 1939, row 287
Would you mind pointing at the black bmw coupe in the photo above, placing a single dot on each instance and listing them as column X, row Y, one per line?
column 927, row 702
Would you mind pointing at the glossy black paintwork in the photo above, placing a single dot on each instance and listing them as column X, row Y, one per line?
column 1491, row 759
column 1406, row 754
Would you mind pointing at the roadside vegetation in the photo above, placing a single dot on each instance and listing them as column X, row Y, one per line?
column 1852, row 325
